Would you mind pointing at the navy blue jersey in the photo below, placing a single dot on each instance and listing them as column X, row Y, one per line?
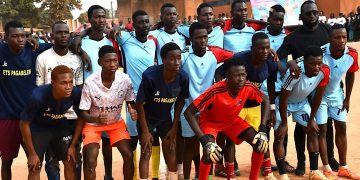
column 45, row 113
column 158, row 96
column 17, row 79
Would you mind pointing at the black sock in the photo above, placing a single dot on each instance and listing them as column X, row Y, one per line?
column 314, row 156
column 281, row 165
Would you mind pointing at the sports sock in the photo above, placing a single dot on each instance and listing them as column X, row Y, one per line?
column 281, row 165
column 314, row 158
column 155, row 161
column 266, row 164
column 229, row 167
column 180, row 169
column 345, row 167
column 173, row 175
column 327, row 167
column 256, row 160
column 204, row 170
column 135, row 165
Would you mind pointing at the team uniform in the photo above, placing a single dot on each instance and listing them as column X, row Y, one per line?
column 332, row 101
column 50, row 129
column 96, row 97
column 163, row 37
column 17, row 80
column 137, row 57
column 238, row 40
column 215, row 38
column 301, row 88
column 159, row 97
column 200, row 71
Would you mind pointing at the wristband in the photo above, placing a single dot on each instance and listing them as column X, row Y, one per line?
column 205, row 139
column 272, row 107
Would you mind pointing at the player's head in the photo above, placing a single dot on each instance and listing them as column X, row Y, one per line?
column 198, row 37
column 313, row 60
column 97, row 17
column 338, row 37
column 108, row 59
column 62, row 81
column 260, row 47
column 169, row 15
column 205, row 14
column 61, row 34
column 141, row 22
column 239, row 10
column 171, row 57
column 309, row 13
column 235, row 74
column 276, row 17
column 15, row 36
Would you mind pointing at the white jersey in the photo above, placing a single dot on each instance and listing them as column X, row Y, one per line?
column 96, row 97
column 49, row 59
column 238, row 40
column 215, row 38
column 302, row 87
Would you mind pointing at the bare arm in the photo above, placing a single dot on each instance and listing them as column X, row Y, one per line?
column 349, row 83
column 192, row 120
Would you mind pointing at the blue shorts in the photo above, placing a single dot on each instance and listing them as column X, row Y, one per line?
column 332, row 109
column 131, row 124
column 186, row 130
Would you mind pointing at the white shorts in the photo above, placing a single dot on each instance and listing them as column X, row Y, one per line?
column 332, row 109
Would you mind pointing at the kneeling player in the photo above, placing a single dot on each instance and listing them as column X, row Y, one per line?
column 219, row 109
column 294, row 99
column 101, row 101
column 161, row 86
column 44, row 125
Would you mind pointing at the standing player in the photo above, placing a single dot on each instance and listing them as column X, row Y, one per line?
column 342, row 60
column 294, row 99
column 229, row 95
column 199, row 61
column 160, row 88
column 17, row 80
column 101, row 101
column 310, row 33
column 139, row 52
column 45, row 127
column 59, row 54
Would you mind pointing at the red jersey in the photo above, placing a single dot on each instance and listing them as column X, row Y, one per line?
column 218, row 107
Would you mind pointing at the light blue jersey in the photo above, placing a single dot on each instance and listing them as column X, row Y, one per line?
column 137, row 57
column 238, row 40
column 215, row 38
column 92, row 47
column 164, row 37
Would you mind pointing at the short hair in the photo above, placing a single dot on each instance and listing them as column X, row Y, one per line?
column 313, row 51
column 12, row 24
column 92, row 9
column 138, row 13
column 235, row 2
column 105, row 50
column 336, row 27
column 194, row 26
column 168, row 47
column 166, row 5
column 232, row 62
column 259, row 35
column 57, row 22
column 201, row 6
column 60, row 69
column 276, row 8
column 305, row 3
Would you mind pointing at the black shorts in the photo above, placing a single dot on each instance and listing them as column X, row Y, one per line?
column 157, row 130
column 57, row 142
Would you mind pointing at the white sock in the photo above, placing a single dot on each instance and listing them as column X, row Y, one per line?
column 180, row 169
column 144, row 179
column 173, row 175
column 327, row 167
column 345, row 167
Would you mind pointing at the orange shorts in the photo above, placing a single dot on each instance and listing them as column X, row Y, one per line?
column 232, row 130
column 116, row 131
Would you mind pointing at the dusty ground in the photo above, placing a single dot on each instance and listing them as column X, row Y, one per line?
column 243, row 151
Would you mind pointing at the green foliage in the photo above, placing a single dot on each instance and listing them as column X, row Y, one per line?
column 59, row 9
column 83, row 18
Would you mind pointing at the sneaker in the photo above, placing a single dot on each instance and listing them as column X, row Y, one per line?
column 300, row 169
column 317, row 175
column 270, row 176
column 330, row 175
column 345, row 172
column 237, row 171
column 284, row 177
column 274, row 167
column 289, row 168
column 220, row 171
column 334, row 164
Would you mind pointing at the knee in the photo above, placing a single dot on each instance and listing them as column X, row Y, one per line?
column 90, row 164
column 340, row 128
column 128, row 156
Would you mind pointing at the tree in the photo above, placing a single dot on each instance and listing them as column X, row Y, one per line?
column 83, row 18
column 59, row 9
column 20, row 10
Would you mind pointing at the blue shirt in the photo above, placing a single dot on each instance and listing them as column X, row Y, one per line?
column 215, row 38
column 45, row 113
column 158, row 97
column 238, row 40
column 17, row 79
